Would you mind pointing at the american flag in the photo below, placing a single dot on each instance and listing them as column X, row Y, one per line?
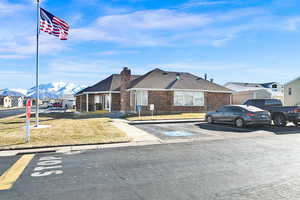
column 53, row 25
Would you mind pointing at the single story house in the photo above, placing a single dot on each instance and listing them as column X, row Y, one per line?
column 167, row 92
column 244, row 91
column 5, row 101
column 17, row 101
column 242, row 96
column 68, row 101
column 292, row 92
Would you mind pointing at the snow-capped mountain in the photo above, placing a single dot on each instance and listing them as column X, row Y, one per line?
column 11, row 92
column 49, row 90
column 54, row 90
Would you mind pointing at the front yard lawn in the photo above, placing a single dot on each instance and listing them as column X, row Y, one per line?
column 66, row 129
column 169, row 117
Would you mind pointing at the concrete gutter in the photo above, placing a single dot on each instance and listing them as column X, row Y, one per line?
column 70, row 148
column 165, row 121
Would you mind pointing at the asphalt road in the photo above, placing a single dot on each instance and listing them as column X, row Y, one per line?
column 11, row 112
column 249, row 168
column 198, row 130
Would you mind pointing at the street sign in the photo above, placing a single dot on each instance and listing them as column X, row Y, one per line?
column 151, row 107
column 139, row 108
column 28, row 109
column 28, row 113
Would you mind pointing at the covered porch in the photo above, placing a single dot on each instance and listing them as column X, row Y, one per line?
column 90, row 102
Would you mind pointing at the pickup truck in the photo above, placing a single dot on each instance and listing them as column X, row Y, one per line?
column 280, row 114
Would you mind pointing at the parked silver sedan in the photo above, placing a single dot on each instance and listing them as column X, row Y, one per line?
column 239, row 115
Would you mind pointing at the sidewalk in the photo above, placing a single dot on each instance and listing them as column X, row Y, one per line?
column 136, row 134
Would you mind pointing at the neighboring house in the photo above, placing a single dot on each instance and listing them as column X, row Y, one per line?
column 17, row 101
column 5, row 101
column 242, row 96
column 68, row 101
column 292, row 92
column 169, row 92
column 245, row 91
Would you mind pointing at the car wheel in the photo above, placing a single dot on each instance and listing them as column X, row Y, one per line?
column 239, row 123
column 210, row 120
column 279, row 120
column 296, row 123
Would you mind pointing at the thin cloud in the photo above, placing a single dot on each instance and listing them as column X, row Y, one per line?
column 12, row 56
column 293, row 23
column 166, row 27
column 7, row 8
column 197, row 3
column 110, row 53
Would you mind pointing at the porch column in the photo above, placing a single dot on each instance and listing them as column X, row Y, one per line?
column 87, row 102
column 110, row 99
column 81, row 103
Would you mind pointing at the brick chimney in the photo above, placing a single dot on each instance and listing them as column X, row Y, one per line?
column 125, row 96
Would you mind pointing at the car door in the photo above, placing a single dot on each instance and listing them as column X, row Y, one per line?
column 219, row 114
column 229, row 114
column 234, row 113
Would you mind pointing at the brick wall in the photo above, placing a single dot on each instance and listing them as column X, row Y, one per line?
column 115, row 102
column 77, row 103
column 164, row 102
column 124, row 94
column 91, row 102
column 92, row 105
column 216, row 100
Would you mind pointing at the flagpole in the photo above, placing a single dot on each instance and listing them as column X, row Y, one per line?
column 37, row 65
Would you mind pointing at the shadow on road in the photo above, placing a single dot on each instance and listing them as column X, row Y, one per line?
column 290, row 129
column 223, row 128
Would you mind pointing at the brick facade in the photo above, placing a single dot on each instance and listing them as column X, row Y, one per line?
column 216, row 100
column 115, row 102
column 125, row 95
column 81, row 103
column 164, row 102
column 77, row 103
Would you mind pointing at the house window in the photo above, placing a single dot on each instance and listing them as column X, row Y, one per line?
column 188, row 98
column 274, row 86
column 142, row 98
column 97, row 99
column 290, row 91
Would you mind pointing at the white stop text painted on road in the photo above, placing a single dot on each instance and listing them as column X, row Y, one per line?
column 47, row 166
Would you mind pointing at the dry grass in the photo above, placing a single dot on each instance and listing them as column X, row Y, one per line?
column 66, row 128
column 169, row 117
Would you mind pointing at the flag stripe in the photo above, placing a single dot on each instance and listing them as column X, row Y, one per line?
column 53, row 25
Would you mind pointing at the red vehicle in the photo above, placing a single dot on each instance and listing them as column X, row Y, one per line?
column 59, row 105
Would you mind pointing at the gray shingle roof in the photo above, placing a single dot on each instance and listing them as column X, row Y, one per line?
column 159, row 79
column 258, row 85
column 111, row 83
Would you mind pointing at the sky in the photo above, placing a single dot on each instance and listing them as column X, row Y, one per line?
column 230, row 40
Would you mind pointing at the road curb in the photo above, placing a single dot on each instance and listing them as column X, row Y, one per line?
column 59, row 146
column 70, row 148
column 165, row 121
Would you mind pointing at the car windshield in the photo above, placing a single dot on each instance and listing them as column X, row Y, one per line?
column 251, row 108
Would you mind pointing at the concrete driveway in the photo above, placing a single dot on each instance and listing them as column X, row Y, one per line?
column 201, row 130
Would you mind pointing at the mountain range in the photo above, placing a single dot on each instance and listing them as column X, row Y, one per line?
column 49, row 90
